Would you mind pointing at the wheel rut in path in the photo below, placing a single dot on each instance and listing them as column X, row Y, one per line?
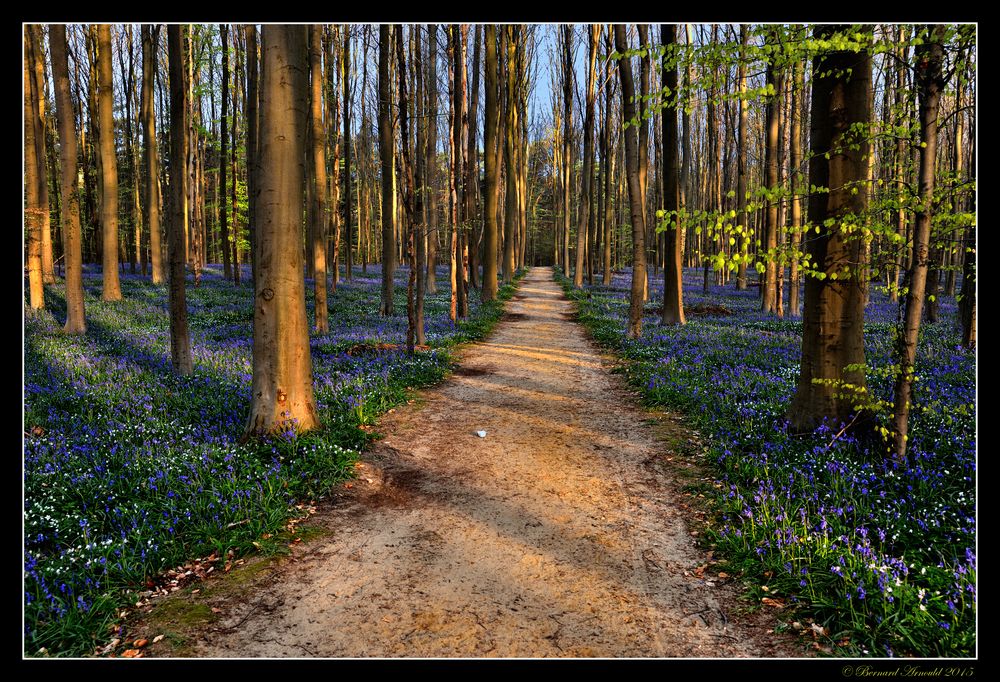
column 551, row 536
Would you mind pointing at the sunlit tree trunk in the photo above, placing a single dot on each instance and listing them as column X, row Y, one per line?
column 76, row 322
column 281, row 392
column 567, row 138
column 109, row 166
column 673, row 296
column 634, row 188
column 490, row 166
column 386, row 153
column 317, row 158
column 583, row 224
column 798, row 87
column 36, row 86
column 150, row 40
column 930, row 86
column 432, row 204
column 769, row 298
column 833, row 352
column 180, row 337
column 741, row 163
column 34, row 209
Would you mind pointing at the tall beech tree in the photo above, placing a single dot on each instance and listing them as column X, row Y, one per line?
column 111, row 287
column 281, row 392
column 34, row 210
column 227, row 266
column 36, row 85
column 76, row 322
column 150, row 39
column 432, row 196
column 180, row 337
column 386, row 153
column 673, row 296
column 930, row 82
column 491, row 166
column 317, row 176
column 635, row 193
column 583, row 222
column 832, row 375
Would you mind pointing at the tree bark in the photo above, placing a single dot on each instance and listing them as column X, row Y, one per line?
column 583, row 224
column 741, row 163
column 111, row 288
column 798, row 90
column 567, row 138
column 432, row 113
column 150, row 40
column 490, row 167
column 930, row 83
column 34, row 210
column 251, row 109
column 634, row 187
column 180, row 337
column 386, row 153
column 769, row 299
column 282, row 392
column 673, row 296
column 510, row 213
column 76, row 321
column 318, row 176
column 833, row 352
column 37, row 88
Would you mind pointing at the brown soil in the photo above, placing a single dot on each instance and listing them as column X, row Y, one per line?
column 563, row 532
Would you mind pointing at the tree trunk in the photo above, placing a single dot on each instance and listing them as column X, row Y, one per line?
column 567, row 138
column 583, row 225
column 472, row 165
column 833, row 352
column 490, row 167
column 111, row 290
column 227, row 266
column 282, row 392
column 180, row 337
column 432, row 112
column 318, row 159
column 798, row 90
column 634, row 187
column 76, row 321
column 741, row 163
column 419, row 235
column 150, row 40
column 36, row 85
column 608, row 157
column 386, row 152
column 673, row 296
column 410, row 210
column 34, row 210
column 510, row 213
column 769, row 300
column 345, row 85
column 930, row 85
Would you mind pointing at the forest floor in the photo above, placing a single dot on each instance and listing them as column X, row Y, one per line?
column 568, row 530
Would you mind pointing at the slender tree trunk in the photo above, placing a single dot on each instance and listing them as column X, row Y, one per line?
column 510, row 212
column 386, row 153
column 741, row 178
column 930, row 86
column 459, row 126
column 491, row 167
column 109, row 166
column 150, row 40
column 317, row 158
column 227, row 266
column 472, row 164
column 76, row 321
column 253, row 164
column 282, row 392
column 410, row 210
column 583, row 225
column 36, row 83
column 899, row 160
column 432, row 113
column 673, row 293
column 567, row 138
column 833, row 352
column 798, row 90
column 345, row 85
column 34, row 210
column 608, row 157
column 180, row 337
column 634, row 188
column 419, row 227
column 769, row 301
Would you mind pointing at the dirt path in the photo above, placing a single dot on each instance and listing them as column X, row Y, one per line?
column 557, row 534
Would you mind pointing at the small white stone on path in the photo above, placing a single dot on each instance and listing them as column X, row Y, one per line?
column 481, row 434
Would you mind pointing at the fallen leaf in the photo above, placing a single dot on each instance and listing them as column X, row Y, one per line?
column 131, row 653
column 139, row 643
column 215, row 610
column 157, row 638
column 818, row 629
column 776, row 603
column 723, row 575
column 765, row 588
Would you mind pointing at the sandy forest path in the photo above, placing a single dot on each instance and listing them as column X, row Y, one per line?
column 561, row 533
